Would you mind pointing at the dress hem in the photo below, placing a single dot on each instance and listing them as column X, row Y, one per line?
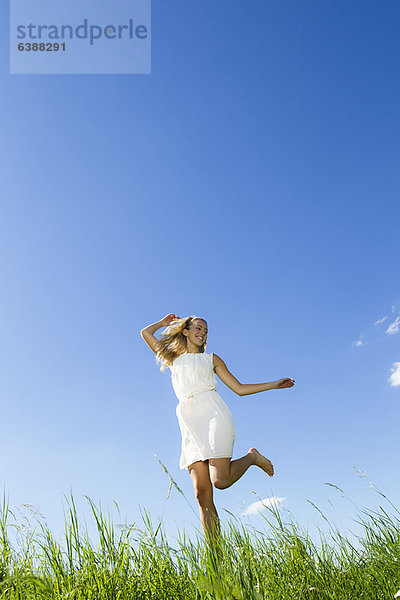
column 202, row 459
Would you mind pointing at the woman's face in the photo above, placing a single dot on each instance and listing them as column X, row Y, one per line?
column 197, row 332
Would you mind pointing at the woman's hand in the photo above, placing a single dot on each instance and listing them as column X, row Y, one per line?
column 168, row 319
column 287, row 382
column 148, row 332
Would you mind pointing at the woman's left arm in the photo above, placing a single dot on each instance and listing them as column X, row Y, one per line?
column 244, row 389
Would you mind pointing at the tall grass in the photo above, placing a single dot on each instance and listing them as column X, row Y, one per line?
column 277, row 563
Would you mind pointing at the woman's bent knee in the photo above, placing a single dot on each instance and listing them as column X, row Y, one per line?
column 219, row 483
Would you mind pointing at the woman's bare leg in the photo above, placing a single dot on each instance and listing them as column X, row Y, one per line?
column 203, row 492
column 224, row 471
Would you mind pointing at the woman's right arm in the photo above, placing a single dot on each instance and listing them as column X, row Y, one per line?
column 148, row 332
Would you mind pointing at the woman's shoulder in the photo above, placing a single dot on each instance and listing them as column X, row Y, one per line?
column 177, row 359
column 174, row 361
column 217, row 360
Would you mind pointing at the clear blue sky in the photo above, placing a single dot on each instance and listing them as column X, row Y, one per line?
column 251, row 179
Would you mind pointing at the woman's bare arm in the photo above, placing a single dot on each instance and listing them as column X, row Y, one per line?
column 148, row 335
column 148, row 332
column 244, row 389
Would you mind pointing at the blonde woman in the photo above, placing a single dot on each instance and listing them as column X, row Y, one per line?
column 205, row 420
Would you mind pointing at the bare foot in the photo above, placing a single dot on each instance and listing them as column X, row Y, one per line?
column 262, row 462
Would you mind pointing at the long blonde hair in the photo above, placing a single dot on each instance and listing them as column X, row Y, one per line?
column 173, row 343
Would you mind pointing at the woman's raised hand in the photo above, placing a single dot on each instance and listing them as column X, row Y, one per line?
column 287, row 382
column 168, row 319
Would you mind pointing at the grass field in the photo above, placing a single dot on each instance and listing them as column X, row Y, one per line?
column 279, row 562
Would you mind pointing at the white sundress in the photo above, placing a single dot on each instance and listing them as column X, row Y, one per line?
column 205, row 421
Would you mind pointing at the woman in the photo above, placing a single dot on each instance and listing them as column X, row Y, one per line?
column 205, row 420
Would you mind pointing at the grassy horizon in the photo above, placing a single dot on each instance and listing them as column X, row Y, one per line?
column 278, row 563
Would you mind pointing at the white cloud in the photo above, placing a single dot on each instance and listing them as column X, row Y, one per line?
column 359, row 342
column 256, row 507
column 395, row 376
column 394, row 327
column 380, row 321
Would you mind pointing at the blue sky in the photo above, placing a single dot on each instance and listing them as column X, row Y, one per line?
column 251, row 179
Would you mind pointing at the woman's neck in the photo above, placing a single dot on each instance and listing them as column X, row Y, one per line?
column 192, row 348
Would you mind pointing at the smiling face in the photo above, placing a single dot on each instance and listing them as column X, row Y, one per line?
column 196, row 334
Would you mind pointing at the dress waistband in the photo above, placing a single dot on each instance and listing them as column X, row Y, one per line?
column 191, row 394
